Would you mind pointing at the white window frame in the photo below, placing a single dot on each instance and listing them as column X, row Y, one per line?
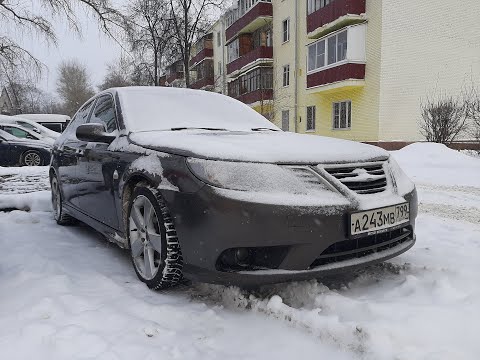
column 349, row 111
column 287, row 21
column 286, row 75
column 326, row 65
column 312, row 129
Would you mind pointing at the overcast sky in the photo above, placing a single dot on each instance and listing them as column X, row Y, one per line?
column 92, row 48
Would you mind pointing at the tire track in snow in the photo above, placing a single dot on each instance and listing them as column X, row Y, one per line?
column 455, row 210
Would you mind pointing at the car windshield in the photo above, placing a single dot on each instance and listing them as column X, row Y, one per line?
column 147, row 109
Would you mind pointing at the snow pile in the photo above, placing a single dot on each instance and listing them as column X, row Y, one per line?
column 36, row 201
column 437, row 164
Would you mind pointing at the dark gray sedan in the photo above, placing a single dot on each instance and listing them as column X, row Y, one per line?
column 198, row 185
column 17, row 151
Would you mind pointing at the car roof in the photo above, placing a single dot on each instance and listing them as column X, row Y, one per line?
column 46, row 118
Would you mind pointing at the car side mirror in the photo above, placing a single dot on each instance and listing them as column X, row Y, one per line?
column 94, row 132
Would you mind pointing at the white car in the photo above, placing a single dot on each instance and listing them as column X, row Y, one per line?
column 55, row 122
column 23, row 133
column 29, row 125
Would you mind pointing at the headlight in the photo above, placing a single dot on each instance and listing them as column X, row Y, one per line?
column 400, row 179
column 259, row 177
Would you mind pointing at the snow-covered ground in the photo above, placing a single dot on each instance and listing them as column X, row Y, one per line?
column 65, row 293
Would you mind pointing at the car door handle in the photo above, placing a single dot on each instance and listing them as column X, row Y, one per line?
column 80, row 153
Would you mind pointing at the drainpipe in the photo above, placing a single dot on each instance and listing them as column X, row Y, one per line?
column 295, row 61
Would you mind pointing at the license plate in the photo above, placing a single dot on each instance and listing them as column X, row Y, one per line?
column 373, row 221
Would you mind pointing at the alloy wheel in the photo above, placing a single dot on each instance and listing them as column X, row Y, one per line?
column 145, row 238
column 56, row 200
column 32, row 159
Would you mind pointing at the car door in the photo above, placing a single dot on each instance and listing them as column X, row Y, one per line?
column 5, row 152
column 67, row 153
column 98, row 168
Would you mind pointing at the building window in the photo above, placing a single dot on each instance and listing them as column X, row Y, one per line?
column 342, row 115
column 286, row 30
column 286, row 75
column 328, row 51
column 219, row 39
column 315, row 5
column 311, row 115
column 286, row 120
column 220, row 68
column 233, row 51
column 257, row 79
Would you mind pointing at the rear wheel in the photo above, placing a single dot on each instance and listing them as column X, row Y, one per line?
column 57, row 203
column 32, row 158
column 154, row 246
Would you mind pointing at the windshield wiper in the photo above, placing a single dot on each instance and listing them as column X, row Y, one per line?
column 197, row 128
column 263, row 129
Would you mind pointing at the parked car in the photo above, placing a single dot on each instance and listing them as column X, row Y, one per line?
column 199, row 185
column 16, row 151
column 29, row 125
column 20, row 132
column 55, row 122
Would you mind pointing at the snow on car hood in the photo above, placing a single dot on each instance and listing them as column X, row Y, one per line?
column 264, row 146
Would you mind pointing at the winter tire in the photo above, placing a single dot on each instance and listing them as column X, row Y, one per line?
column 57, row 203
column 154, row 246
column 32, row 158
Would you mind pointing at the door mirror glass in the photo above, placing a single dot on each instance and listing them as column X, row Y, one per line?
column 94, row 132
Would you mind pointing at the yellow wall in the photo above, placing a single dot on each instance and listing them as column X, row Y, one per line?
column 365, row 99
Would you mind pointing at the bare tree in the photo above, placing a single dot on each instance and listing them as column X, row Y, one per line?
column 150, row 36
column 73, row 86
column 472, row 101
column 14, row 58
column 444, row 118
column 191, row 19
column 119, row 74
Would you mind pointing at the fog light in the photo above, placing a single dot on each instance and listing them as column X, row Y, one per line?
column 242, row 256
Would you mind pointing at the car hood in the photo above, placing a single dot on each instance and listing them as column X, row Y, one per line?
column 265, row 147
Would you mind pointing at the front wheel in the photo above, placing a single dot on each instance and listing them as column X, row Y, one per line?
column 154, row 246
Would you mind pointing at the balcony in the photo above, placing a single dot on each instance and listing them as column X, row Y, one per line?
column 251, row 20
column 203, row 83
column 256, row 96
column 259, row 55
column 203, row 54
column 337, row 14
column 345, row 75
column 174, row 76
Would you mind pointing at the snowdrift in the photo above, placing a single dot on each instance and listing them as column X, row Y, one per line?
column 437, row 164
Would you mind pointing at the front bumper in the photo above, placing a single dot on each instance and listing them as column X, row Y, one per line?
column 209, row 223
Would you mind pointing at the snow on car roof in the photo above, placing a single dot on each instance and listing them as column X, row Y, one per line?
column 47, row 118
column 161, row 108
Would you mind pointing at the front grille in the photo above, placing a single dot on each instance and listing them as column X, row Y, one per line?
column 357, row 248
column 363, row 179
column 309, row 177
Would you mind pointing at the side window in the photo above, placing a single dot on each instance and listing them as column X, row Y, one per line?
column 80, row 118
column 17, row 132
column 105, row 113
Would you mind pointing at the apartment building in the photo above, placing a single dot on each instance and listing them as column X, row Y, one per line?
column 358, row 69
column 352, row 69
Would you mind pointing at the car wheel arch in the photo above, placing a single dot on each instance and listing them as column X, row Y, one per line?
column 126, row 191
